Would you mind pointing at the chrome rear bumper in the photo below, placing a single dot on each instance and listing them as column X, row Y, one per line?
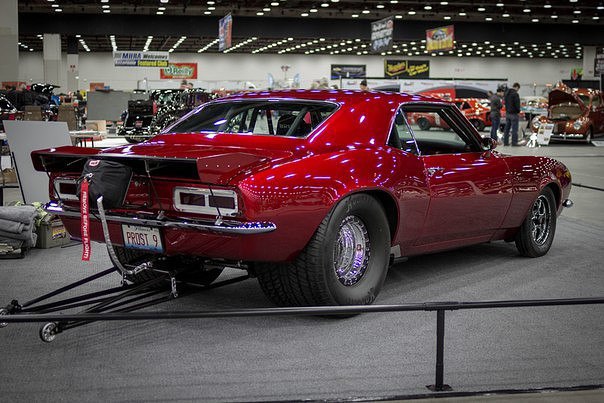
column 224, row 227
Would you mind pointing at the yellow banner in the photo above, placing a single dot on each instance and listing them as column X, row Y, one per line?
column 442, row 38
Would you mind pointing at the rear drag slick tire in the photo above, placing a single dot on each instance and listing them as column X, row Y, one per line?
column 344, row 263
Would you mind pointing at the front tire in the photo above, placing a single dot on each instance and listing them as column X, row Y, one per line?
column 588, row 136
column 344, row 263
column 478, row 124
column 536, row 233
column 423, row 124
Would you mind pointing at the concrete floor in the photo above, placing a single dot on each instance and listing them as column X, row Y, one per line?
column 371, row 355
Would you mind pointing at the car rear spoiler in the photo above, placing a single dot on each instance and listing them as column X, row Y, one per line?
column 70, row 159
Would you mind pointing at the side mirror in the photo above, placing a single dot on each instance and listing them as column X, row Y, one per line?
column 489, row 143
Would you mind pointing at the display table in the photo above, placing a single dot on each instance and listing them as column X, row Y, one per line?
column 81, row 137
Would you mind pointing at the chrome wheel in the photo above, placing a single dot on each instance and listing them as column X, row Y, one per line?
column 541, row 217
column 352, row 251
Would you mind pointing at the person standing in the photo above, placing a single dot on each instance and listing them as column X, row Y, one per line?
column 363, row 85
column 512, row 109
column 496, row 106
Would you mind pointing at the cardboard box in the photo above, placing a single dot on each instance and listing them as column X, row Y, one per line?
column 8, row 176
column 98, row 125
column 51, row 234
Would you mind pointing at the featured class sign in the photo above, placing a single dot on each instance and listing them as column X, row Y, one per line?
column 179, row 70
column 348, row 71
column 381, row 34
column 407, row 68
column 442, row 38
column 140, row 59
column 225, row 28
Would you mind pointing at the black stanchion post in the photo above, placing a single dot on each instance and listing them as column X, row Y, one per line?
column 439, row 386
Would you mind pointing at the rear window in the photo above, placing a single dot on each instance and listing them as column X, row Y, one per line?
column 263, row 117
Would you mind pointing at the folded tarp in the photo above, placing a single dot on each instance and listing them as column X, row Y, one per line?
column 15, row 227
column 29, row 237
column 22, row 214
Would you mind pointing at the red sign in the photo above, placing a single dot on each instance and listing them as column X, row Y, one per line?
column 85, row 221
column 178, row 70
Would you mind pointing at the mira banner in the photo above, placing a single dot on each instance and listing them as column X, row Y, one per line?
column 442, row 38
column 381, row 34
column 179, row 70
column 225, row 29
column 133, row 58
column 407, row 68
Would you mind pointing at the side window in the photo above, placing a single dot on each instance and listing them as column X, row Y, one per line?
column 595, row 101
column 400, row 135
column 438, row 129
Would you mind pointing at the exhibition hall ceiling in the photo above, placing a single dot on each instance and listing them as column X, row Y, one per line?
column 512, row 11
column 483, row 28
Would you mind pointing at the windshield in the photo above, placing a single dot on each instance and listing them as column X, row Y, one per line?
column 264, row 117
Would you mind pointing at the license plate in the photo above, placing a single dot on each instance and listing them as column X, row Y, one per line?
column 138, row 123
column 145, row 238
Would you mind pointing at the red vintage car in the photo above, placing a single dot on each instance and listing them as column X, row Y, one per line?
column 313, row 192
column 577, row 114
column 476, row 110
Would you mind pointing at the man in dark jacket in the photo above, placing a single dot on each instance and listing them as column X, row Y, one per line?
column 512, row 109
column 496, row 106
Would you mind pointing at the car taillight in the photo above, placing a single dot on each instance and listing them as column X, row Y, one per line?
column 206, row 201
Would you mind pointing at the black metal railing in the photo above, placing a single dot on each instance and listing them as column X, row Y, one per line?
column 439, row 307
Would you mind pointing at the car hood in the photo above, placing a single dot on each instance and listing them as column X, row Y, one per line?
column 561, row 96
column 214, row 164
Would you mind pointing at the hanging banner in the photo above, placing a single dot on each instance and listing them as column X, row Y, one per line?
column 225, row 28
column 407, row 68
column 599, row 61
column 442, row 38
column 132, row 58
column 179, row 70
column 348, row 71
column 381, row 34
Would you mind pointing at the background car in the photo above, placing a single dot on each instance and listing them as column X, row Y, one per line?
column 7, row 112
column 145, row 118
column 474, row 109
column 313, row 192
column 577, row 114
column 533, row 106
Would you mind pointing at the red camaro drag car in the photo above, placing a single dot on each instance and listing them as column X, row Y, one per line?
column 313, row 192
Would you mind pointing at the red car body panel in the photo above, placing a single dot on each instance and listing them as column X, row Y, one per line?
column 295, row 182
